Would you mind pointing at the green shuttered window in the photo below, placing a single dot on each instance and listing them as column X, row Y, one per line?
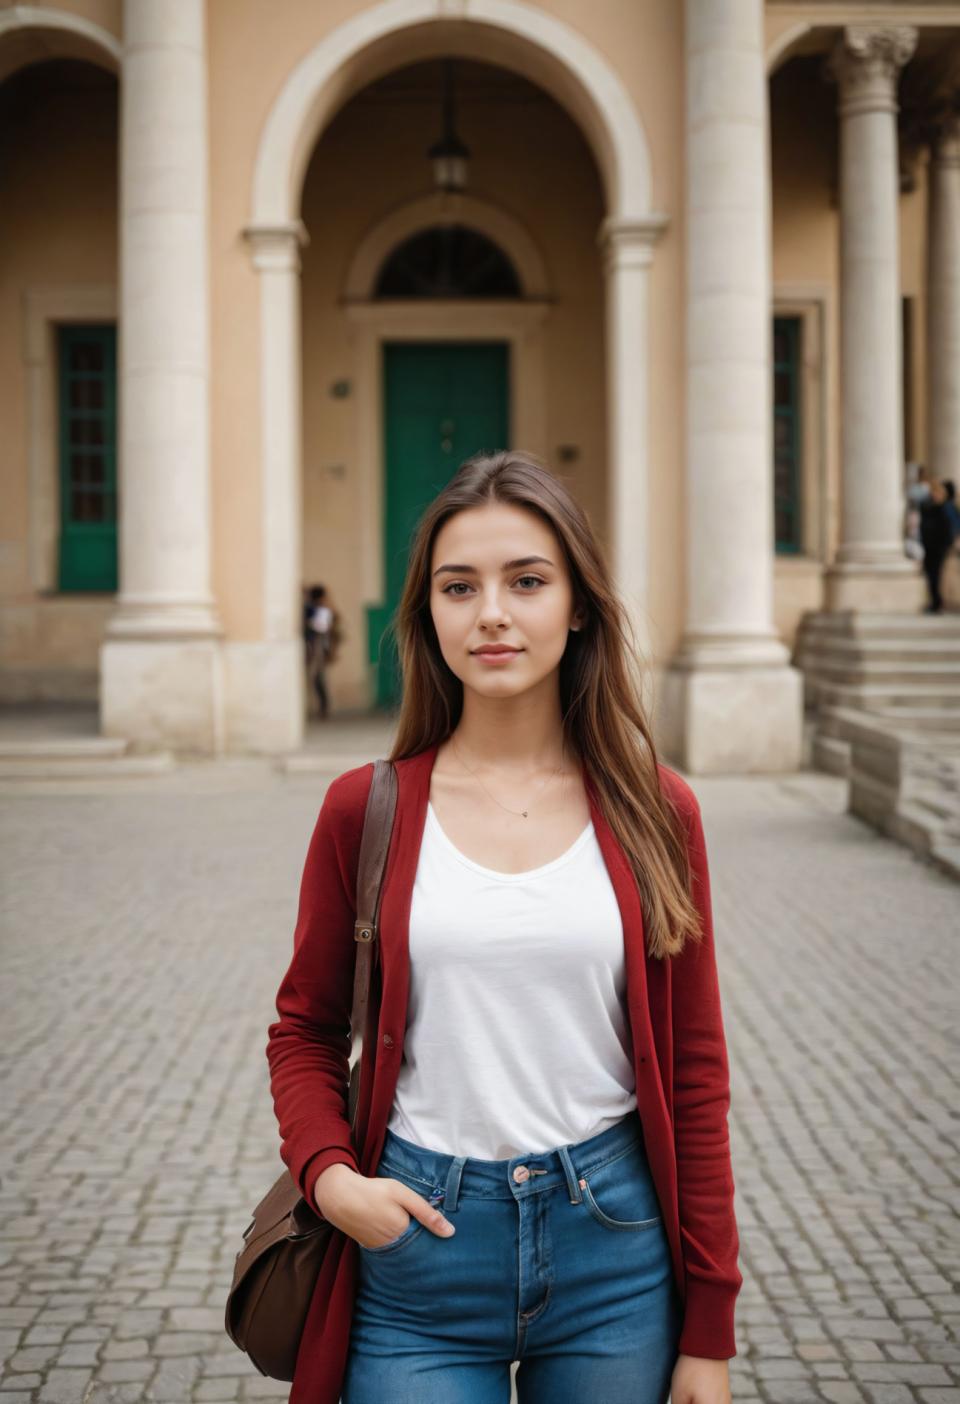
column 87, row 363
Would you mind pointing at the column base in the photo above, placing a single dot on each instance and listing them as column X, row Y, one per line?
column 894, row 588
column 730, row 720
column 265, row 696
column 203, row 696
column 163, row 693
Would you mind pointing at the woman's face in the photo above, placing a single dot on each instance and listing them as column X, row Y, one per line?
column 487, row 600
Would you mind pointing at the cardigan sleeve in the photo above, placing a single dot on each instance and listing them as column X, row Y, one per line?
column 308, row 1047
column 708, row 1227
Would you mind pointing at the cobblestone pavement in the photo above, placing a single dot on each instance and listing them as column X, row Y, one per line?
column 146, row 926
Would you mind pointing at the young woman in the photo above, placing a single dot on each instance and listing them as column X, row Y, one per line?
column 545, row 1174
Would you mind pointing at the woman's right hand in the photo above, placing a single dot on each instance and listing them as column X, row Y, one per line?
column 373, row 1209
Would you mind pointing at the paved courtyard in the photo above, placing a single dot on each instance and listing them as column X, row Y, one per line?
column 146, row 925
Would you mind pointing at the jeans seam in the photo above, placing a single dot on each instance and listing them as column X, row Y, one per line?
column 399, row 1172
column 610, row 1160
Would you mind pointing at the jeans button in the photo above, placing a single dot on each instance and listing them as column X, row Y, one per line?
column 521, row 1173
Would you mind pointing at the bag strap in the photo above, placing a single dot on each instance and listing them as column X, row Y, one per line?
column 374, row 846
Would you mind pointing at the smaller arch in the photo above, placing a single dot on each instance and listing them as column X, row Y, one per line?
column 427, row 212
column 34, row 33
column 804, row 37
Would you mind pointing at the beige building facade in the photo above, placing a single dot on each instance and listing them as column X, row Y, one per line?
column 704, row 258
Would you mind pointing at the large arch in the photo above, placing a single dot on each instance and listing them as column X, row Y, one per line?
column 32, row 33
column 365, row 47
column 29, row 35
column 503, row 32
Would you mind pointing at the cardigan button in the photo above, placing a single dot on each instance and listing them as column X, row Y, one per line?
column 388, row 1040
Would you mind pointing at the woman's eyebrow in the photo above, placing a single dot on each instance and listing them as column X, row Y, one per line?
column 507, row 565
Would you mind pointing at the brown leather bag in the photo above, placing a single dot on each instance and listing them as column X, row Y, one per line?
column 276, row 1270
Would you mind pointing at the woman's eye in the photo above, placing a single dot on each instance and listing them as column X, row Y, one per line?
column 449, row 589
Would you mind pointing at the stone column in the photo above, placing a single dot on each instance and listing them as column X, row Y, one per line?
column 266, row 700
column 871, row 571
column 730, row 700
column 627, row 255
column 943, row 301
column 160, row 662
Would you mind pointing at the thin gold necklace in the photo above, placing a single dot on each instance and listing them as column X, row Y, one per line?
column 524, row 812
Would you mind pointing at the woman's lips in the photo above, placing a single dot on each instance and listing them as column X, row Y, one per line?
column 501, row 657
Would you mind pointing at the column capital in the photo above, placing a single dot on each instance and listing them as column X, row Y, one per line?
column 276, row 247
column 865, row 62
column 629, row 243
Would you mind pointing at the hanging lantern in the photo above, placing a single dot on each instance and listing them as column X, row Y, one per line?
column 449, row 155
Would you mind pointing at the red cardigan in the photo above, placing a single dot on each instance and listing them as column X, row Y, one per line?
column 680, row 1059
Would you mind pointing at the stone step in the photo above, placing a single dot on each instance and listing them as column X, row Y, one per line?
column 929, row 801
column 891, row 698
column 64, row 748
column 859, row 624
column 156, row 763
column 851, row 671
column 869, row 661
column 923, row 717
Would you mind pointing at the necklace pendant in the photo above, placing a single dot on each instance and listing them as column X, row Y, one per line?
column 524, row 814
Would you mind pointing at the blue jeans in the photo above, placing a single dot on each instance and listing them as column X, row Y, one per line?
column 560, row 1261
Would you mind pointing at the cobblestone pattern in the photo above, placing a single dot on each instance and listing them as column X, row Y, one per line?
column 145, row 929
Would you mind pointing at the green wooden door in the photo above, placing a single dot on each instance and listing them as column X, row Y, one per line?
column 442, row 402
column 88, row 458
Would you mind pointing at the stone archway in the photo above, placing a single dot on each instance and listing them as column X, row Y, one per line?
column 36, row 37
column 549, row 53
column 30, row 33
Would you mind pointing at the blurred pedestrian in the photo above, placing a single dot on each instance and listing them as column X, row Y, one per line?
column 320, row 622
column 936, row 533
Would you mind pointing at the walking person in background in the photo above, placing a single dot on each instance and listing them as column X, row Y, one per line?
column 321, row 626
column 936, row 533
column 308, row 635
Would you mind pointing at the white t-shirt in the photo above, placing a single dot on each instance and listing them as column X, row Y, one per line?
column 517, row 1036
column 321, row 619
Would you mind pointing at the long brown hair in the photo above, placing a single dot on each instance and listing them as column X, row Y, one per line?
column 600, row 694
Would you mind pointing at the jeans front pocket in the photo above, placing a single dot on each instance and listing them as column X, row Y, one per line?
column 620, row 1194
column 414, row 1226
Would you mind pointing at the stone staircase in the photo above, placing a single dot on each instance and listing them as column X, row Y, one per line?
column 883, row 692
column 906, row 784
column 42, row 741
column 880, row 662
column 77, row 758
